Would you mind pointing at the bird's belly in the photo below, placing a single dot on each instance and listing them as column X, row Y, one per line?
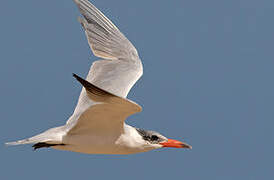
column 90, row 144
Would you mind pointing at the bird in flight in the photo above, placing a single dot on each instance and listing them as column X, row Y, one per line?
column 97, row 125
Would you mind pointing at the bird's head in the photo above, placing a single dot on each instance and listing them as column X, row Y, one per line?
column 156, row 140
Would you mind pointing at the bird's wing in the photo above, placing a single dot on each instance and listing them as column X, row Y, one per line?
column 122, row 67
column 105, row 39
column 107, row 112
column 116, row 73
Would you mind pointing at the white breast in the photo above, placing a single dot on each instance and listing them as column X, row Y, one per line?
column 127, row 143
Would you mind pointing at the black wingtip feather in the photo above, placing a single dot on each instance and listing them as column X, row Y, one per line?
column 44, row 145
column 78, row 78
column 74, row 75
column 92, row 88
column 81, row 80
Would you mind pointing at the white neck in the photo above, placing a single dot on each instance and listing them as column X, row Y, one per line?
column 133, row 142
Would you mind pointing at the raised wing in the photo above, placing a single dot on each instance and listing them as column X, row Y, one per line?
column 121, row 68
column 105, row 39
column 106, row 114
column 116, row 74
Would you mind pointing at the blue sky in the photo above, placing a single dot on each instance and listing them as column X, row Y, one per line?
column 208, row 81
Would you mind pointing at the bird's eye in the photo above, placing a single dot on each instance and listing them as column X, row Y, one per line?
column 154, row 138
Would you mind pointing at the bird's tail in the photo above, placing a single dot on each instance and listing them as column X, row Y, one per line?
column 23, row 141
column 51, row 136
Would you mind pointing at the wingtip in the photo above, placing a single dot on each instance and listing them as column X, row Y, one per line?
column 75, row 75
column 78, row 78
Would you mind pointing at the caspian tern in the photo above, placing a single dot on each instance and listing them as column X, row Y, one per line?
column 97, row 125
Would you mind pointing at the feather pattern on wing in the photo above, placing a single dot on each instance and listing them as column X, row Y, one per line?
column 115, row 74
column 105, row 39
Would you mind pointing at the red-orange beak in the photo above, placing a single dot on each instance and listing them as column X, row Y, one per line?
column 175, row 144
